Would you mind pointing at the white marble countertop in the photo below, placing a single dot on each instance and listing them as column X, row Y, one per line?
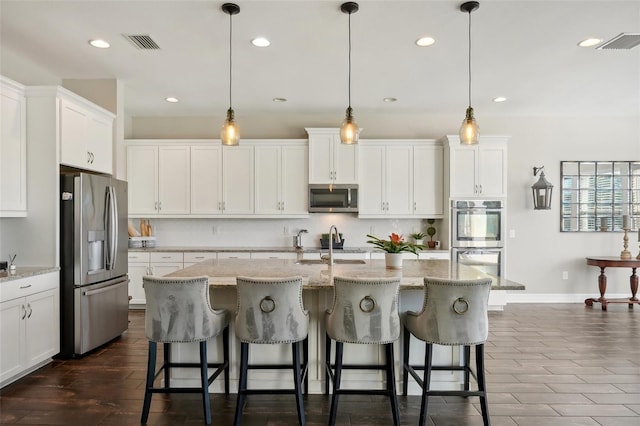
column 25, row 272
column 223, row 272
column 368, row 249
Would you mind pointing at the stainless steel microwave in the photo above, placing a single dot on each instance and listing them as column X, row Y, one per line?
column 332, row 198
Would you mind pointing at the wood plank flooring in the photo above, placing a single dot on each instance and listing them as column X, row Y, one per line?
column 554, row 364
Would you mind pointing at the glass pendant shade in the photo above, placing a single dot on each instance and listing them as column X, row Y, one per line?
column 349, row 131
column 230, row 133
column 469, row 130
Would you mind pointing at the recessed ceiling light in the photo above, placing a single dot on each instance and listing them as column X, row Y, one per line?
column 499, row 99
column 389, row 99
column 425, row 41
column 279, row 99
column 171, row 99
column 260, row 42
column 590, row 42
column 99, row 43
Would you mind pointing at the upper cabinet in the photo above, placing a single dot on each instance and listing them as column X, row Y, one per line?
column 86, row 134
column 280, row 179
column 237, row 179
column 477, row 171
column 330, row 161
column 401, row 178
column 159, row 179
column 13, row 149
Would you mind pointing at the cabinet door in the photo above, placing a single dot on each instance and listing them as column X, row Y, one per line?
column 492, row 179
column 136, row 291
column 345, row 162
column 13, row 154
column 295, row 196
column 268, row 175
column 174, row 180
column 399, row 179
column 321, row 158
column 237, row 180
column 371, row 197
column 100, row 144
column 142, row 175
column 463, row 171
column 206, row 179
column 428, row 181
column 74, row 132
column 12, row 323
column 162, row 269
column 42, row 326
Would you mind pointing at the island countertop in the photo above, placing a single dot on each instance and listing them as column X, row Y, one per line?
column 223, row 272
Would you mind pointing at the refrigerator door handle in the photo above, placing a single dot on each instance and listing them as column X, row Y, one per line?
column 112, row 215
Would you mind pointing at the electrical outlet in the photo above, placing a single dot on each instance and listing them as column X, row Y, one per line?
column 565, row 275
column 372, row 230
column 286, row 230
column 215, row 229
column 512, row 233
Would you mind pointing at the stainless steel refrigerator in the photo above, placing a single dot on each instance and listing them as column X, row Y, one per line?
column 94, row 295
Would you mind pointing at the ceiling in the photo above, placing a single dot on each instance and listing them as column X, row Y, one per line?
column 523, row 50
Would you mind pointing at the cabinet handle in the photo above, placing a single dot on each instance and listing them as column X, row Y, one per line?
column 414, row 206
column 224, row 205
column 25, row 286
column 24, row 312
column 92, row 157
column 282, row 206
column 88, row 157
column 382, row 206
column 480, row 186
column 30, row 310
column 159, row 205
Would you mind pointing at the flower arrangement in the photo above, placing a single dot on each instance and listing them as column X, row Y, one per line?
column 395, row 244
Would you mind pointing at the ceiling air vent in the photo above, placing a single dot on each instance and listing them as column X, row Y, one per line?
column 142, row 41
column 623, row 41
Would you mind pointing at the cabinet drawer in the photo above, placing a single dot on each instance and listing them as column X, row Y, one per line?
column 234, row 255
column 273, row 255
column 25, row 286
column 168, row 256
column 195, row 257
column 138, row 257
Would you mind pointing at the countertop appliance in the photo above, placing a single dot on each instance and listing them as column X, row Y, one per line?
column 94, row 295
column 478, row 232
column 333, row 198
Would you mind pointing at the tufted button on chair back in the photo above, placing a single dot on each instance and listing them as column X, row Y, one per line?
column 178, row 310
column 364, row 310
column 270, row 310
column 454, row 312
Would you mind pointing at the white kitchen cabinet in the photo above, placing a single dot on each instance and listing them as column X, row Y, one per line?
column 234, row 255
column 206, row 179
column 237, row 179
column 86, row 134
column 159, row 179
column 193, row 258
column 13, row 149
column 428, row 180
column 279, row 189
column 149, row 263
column 29, row 325
column 477, row 170
column 331, row 161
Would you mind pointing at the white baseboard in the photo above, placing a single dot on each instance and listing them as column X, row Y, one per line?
column 519, row 297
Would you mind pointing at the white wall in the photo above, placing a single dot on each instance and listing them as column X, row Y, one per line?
column 536, row 256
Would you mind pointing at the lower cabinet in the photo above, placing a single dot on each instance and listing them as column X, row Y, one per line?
column 153, row 263
column 29, row 325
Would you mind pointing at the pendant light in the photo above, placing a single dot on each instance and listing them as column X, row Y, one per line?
column 230, row 133
column 349, row 131
column 469, row 128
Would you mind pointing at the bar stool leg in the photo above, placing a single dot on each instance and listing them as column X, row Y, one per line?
column 336, row 384
column 204, row 380
column 327, row 361
column 426, row 383
column 297, row 380
column 166, row 356
column 406, row 338
column 484, row 404
column 305, row 365
column 151, row 372
column 242, row 382
column 391, row 383
column 467, row 368
column 225, row 358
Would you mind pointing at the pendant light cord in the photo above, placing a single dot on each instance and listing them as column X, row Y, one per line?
column 349, row 60
column 469, row 62
column 230, row 56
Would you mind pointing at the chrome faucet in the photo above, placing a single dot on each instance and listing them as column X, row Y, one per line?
column 337, row 239
column 298, row 238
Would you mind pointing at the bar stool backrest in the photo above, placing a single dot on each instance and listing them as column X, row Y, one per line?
column 454, row 312
column 179, row 310
column 365, row 310
column 270, row 310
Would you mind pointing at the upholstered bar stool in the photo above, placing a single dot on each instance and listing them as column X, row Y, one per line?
column 364, row 311
column 270, row 311
column 179, row 311
column 454, row 312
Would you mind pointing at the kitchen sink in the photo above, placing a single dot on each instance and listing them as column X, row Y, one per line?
column 335, row 261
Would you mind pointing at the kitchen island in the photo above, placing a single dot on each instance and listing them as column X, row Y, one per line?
column 317, row 297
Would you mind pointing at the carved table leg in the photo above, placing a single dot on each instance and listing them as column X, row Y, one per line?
column 633, row 282
column 602, row 286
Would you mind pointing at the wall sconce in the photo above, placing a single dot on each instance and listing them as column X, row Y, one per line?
column 542, row 190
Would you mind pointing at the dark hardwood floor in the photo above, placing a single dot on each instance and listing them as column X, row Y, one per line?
column 555, row 364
